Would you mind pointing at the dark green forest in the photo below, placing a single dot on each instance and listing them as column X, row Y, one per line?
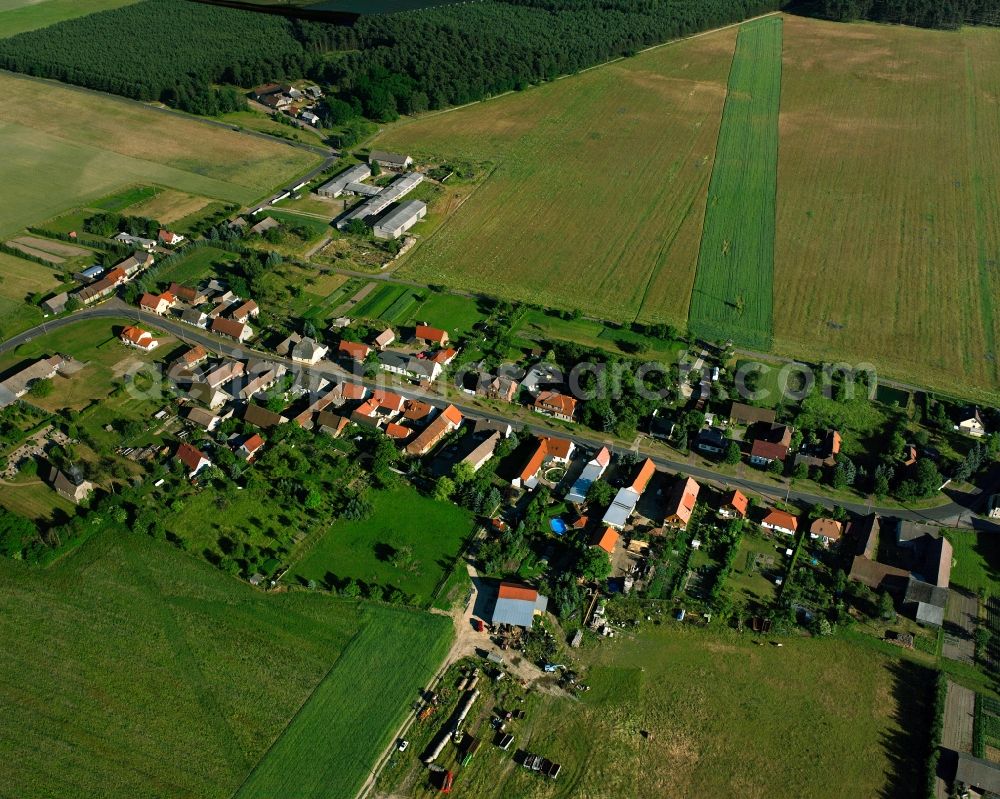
column 921, row 13
column 191, row 55
column 177, row 51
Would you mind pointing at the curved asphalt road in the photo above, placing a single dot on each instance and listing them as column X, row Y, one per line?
column 957, row 513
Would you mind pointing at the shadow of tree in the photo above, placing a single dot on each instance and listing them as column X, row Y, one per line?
column 907, row 745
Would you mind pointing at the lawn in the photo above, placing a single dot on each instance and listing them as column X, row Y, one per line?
column 676, row 711
column 976, row 561
column 598, row 194
column 18, row 16
column 888, row 215
column 140, row 671
column 332, row 742
column 195, row 267
column 408, row 544
column 96, row 144
column 732, row 290
column 19, row 279
column 451, row 312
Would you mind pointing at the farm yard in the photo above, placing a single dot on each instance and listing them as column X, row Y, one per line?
column 598, row 195
column 96, row 143
column 884, row 232
column 732, row 290
column 683, row 712
column 330, row 744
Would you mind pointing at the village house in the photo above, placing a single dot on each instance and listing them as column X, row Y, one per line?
column 103, row 287
column 384, row 339
column 230, row 329
column 157, row 303
column 245, row 312
column 262, row 417
column 606, row 540
column 202, row 418
column 780, row 522
column 822, row 454
column 431, row 335
column 627, row 498
column 710, row 439
column 482, row 452
column 517, row 605
column 501, row 387
column 398, row 432
column 187, row 294
column 250, row 447
column 552, row 403
column 195, row 318
column 354, row 350
column 734, row 506
column 680, row 503
column 136, row 241
column 547, row 448
column 309, row 351
column 444, row 357
column 331, row 423
column 264, row 225
column 420, row 369
column 449, row 419
column 168, row 238
column 973, row 426
column 193, row 459
column 746, row 415
column 55, row 305
column 826, row 531
column 193, row 356
column 71, row 487
column 18, row 384
column 592, row 472
column 310, row 117
column 139, row 338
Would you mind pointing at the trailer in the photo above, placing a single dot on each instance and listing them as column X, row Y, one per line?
column 505, row 740
column 449, row 780
column 470, row 750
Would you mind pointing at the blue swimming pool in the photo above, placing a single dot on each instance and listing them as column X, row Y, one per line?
column 558, row 526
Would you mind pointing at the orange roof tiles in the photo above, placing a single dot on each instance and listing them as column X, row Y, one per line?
column 643, row 477
column 515, row 591
column 607, row 540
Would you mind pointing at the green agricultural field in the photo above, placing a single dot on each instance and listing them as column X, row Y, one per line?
column 407, row 544
column 732, row 290
column 18, row 16
column 140, row 671
column 19, row 279
column 598, row 194
column 681, row 712
column 96, row 144
column 126, row 198
column 330, row 746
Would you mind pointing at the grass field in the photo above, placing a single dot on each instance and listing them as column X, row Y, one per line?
column 327, row 749
column 976, row 561
column 722, row 717
column 18, row 16
column 886, row 222
column 19, row 279
column 406, row 544
column 732, row 289
column 95, row 144
column 195, row 267
column 140, row 671
column 598, row 196
column 888, row 219
column 167, row 206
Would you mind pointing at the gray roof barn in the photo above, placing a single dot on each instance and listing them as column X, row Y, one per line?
column 335, row 187
column 517, row 605
column 926, row 600
column 397, row 222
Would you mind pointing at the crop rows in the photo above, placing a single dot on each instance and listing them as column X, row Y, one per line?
column 329, row 746
column 732, row 296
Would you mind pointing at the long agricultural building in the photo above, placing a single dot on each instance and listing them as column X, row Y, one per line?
column 397, row 222
column 336, row 187
column 396, row 190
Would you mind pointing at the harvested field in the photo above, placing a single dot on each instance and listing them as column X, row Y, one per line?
column 888, row 220
column 598, row 194
column 732, row 291
column 49, row 246
column 96, row 144
column 168, row 206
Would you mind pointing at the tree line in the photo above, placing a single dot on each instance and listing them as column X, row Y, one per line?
column 191, row 55
column 921, row 13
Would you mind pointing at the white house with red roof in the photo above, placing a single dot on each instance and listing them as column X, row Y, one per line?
column 139, row 338
column 250, row 447
column 193, row 459
column 157, row 303
column 780, row 522
column 168, row 238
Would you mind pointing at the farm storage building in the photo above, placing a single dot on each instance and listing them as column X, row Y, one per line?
column 396, row 223
column 335, row 187
column 396, row 190
column 517, row 605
